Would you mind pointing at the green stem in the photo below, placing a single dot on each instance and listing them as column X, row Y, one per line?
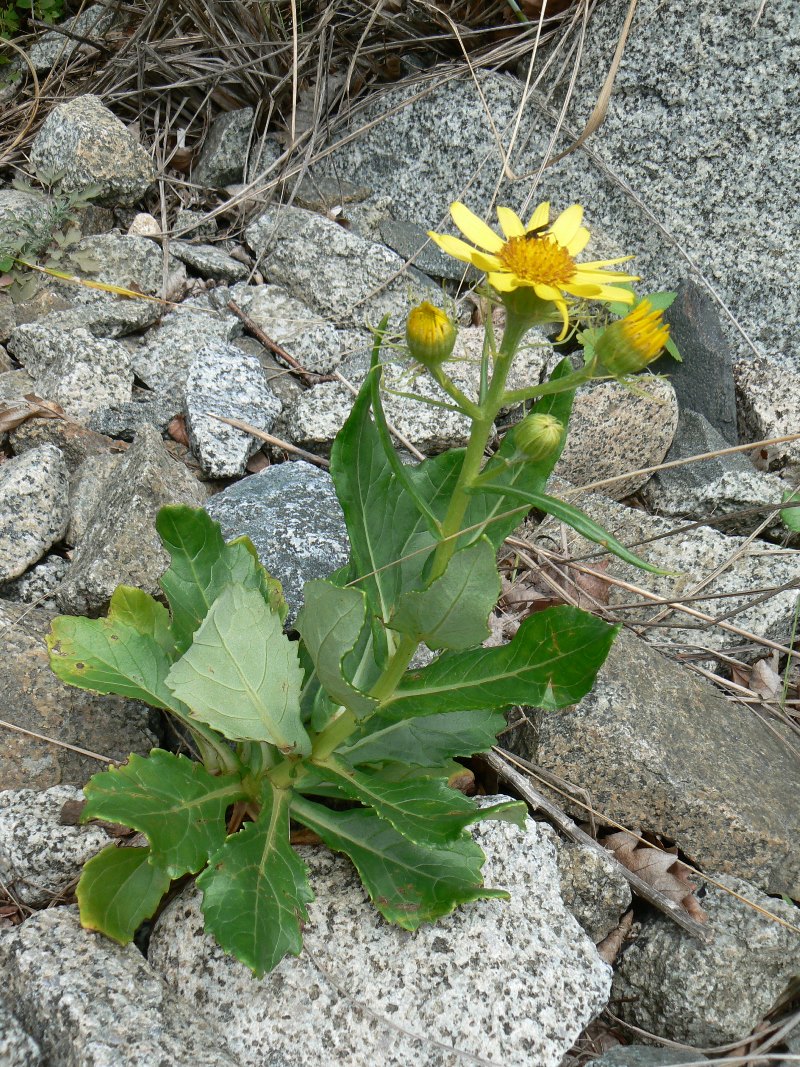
column 333, row 735
column 464, row 403
column 561, row 385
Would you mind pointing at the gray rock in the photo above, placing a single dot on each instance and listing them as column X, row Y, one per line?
column 291, row 514
column 17, row 1047
column 660, row 748
column 35, row 700
column 209, row 261
column 409, row 240
column 123, row 421
column 262, row 158
column 592, row 888
column 89, row 146
column 615, row 429
column 169, row 350
column 506, row 981
column 38, row 583
column 27, row 221
column 89, row 1001
column 80, row 372
column 132, row 262
column 6, row 363
column 703, row 382
column 193, row 225
column 14, row 384
column 54, row 47
column 646, row 1056
column 333, row 270
column 224, row 381
column 33, row 508
column 222, row 157
column 713, row 487
column 324, row 194
column 314, row 342
column 87, row 489
column 769, row 404
column 673, row 985
column 120, row 546
column 41, row 857
column 693, row 562
column 74, row 441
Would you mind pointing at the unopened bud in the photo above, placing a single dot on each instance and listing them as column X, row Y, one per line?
column 628, row 345
column 538, row 436
column 430, row 334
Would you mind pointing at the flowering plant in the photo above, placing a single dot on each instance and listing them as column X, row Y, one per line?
column 283, row 727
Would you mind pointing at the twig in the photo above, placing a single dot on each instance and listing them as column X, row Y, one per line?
column 53, row 741
column 276, row 442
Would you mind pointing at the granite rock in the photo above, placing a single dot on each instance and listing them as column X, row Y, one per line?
column 291, row 514
column 342, row 276
column 507, row 981
column 673, row 985
column 193, row 225
column 89, row 1001
column 87, row 488
column 592, row 888
column 314, row 342
column 615, row 429
column 14, row 384
column 769, row 404
column 33, row 508
column 35, row 700
column 647, row 1056
column 17, row 1047
column 40, row 856
column 37, row 583
column 120, row 545
column 661, row 749
column 168, row 351
column 209, row 261
column 27, row 221
column 74, row 441
column 224, row 381
column 123, row 421
column 88, row 145
column 54, row 48
column 222, row 157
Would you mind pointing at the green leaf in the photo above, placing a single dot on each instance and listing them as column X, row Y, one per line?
column 407, row 883
column 577, row 519
column 426, row 811
column 256, row 889
column 331, row 622
column 452, row 611
column 242, row 675
column 551, row 662
column 173, row 800
column 426, row 740
column 203, row 566
column 125, row 653
column 791, row 516
column 118, row 889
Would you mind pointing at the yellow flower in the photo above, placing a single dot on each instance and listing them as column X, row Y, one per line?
column 538, row 256
column 430, row 334
column 629, row 344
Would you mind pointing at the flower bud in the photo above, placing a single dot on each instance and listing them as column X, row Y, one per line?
column 430, row 334
column 538, row 436
column 628, row 345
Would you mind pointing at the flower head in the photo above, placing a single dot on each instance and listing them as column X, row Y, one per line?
column 539, row 256
column 430, row 334
column 538, row 436
column 629, row 344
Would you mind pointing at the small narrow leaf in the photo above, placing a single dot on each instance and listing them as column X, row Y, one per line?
column 791, row 516
column 424, row 741
column 242, row 675
column 331, row 622
column 407, row 883
column 118, row 889
column 452, row 611
column 256, row 889
column 551, row 662
column 174, row 801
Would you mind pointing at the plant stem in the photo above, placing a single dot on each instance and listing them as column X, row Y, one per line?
column 333, row 735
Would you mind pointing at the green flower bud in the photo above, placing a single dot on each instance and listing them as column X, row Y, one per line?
column 430, row 334
column 629, row 344
column 538, row 436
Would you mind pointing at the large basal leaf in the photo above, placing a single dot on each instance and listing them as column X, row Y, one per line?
column 331, row 622
column 256, row 889
column 126, row 653
column 118, row 889
column 425, row 810
column 174, row 801
column 407, row 883
column 551, row 662
column 203, row 566
column 452, row 611
column 242, row 675
column 423, row 741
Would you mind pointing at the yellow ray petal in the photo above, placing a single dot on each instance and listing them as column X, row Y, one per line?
column 567, row 224
column 578, row 242
column 510, row 222
column 502, row 281
column 540, row 217
column 605, row 262
column 475, row 229
column 548, row 292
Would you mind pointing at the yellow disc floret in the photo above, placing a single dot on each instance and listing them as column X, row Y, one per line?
column 628, row 345
column 430, row 334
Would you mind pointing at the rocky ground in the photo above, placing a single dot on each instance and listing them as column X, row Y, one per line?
column 691, row 733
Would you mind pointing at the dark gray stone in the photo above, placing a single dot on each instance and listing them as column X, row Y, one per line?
column 17, row 1047
column 193, row 225
column 35, row 700
column 209, row 261
column 54, row 47
column 291, row 514
column 673, row 985
column 123, row 421
column 87, row 489
column 647, row 1056
column 593, row 888
column 222, row 157
column 26, row 217
column 703, row 382
column 74, row 441
column 33, row 508
column 661, row 749
column 38, row 583
column 89, row 1001
column 120, row 545
column 408, row 239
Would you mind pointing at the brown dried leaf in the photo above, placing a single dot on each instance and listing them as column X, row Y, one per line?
column 609, row 947
column 593, row 590
column 765, row 680
column 257, row 463
column 661, row 870
column 177, row 430
column 31, row 406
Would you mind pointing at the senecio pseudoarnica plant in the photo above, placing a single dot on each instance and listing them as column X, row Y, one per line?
column 286, row 727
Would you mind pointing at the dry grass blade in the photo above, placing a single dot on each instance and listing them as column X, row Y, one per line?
column 55, row 741
column 276, row 442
